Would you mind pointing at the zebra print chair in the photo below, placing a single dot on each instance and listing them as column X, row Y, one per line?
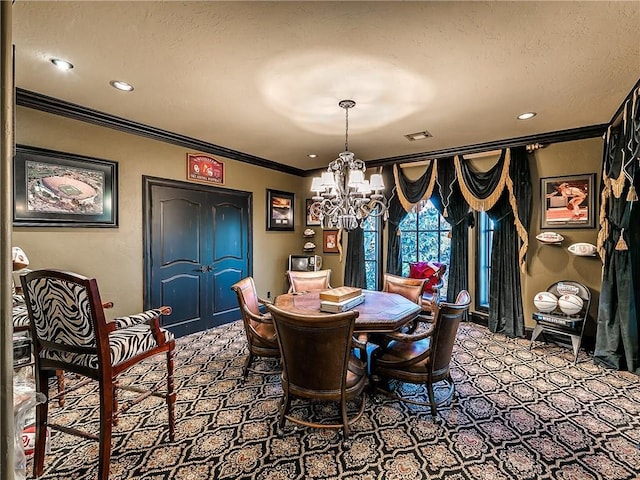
column 70, row 333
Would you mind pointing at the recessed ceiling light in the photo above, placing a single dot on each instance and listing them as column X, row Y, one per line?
column 418, row 135
column 312, row 155
column 124, row 86
column 526, row 115
column 61, row 64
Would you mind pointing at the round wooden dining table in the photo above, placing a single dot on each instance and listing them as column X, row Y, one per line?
column 380, row 311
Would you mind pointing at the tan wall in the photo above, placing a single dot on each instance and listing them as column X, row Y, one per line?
column 115, row 255
column 548, row 263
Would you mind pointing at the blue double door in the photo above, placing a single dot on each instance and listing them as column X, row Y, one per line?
column 197, row 244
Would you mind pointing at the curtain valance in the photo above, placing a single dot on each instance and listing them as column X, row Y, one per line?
column 410, row 192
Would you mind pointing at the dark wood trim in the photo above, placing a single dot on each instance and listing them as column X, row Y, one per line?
column 38, row 101
column 44, row 103
column 617, row 117
column 544, row 138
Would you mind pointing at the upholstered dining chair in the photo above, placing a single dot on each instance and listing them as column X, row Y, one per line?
column 410, row 288
column 318, row 364
column 258, row 326
column 70, row 333
column 308, row 281
column 422, row 357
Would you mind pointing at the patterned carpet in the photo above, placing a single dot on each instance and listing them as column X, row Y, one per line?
column 520, row 414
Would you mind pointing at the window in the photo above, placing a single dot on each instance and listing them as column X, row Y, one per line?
column 425, row 238
column 372, row 251
column 484, row 238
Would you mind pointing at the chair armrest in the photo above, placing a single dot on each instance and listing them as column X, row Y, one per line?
column 265, row 301
column 144, row 317
column 264, row 318
column 410, row 337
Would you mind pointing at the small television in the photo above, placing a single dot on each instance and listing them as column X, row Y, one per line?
column 301, row 263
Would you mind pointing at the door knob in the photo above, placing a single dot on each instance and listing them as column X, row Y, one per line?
column 204, row 269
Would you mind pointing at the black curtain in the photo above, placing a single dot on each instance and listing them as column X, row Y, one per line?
column 618, row 324
column 447, row 196
column 506, row 196
column 412, row 191
column 354, row 265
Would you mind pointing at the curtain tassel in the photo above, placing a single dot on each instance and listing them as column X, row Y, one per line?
column 445, row 214
column 621, row 245
column 632, row 196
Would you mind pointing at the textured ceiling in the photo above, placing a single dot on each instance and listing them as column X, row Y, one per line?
column 265, row 78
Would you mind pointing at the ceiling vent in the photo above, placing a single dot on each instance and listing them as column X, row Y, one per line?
column 418, row 136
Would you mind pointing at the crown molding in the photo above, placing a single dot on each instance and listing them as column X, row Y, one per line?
column 44, row 103
column 38, row 101
column 541, row 138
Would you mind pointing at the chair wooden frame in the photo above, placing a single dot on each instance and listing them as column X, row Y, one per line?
column 422, row 357
column 50, row 312
column 318, row 363
column 304, row 281
column 258, row 326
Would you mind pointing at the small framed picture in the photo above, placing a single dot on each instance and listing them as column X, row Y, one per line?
column 280, row 209
column 313, row 220
column 330, row 241
column 568, row 201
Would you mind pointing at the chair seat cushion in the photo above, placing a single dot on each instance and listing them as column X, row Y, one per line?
column 266, row 334
column 20, row 316
column 124, row 345
column 398, row 351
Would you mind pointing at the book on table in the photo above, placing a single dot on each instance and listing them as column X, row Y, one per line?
column 340, row 294
column 343, row 306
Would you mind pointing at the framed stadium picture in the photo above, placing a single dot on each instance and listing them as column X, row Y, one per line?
column 56, row 189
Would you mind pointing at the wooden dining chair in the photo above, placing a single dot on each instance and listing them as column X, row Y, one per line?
column 318, row 364
column 70, row 333
column 422, row 357
column 309, row 281
column 258, row 326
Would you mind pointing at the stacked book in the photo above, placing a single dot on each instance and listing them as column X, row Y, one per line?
column 340, row 299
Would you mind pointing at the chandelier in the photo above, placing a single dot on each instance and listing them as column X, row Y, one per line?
column 343, row 197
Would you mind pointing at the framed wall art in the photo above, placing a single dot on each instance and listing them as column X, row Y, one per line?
column 568, row 201
column 330, row 241
column 280, row 210
column 204, row 168
column 313, row 220
column 56, row 189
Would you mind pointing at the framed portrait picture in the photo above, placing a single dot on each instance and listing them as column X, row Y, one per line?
column 568, row 201
column 56, row 189
column 312, row 218
column 280, row 209
column 330, row 241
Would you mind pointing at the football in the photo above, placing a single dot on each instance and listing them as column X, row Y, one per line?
column 549, row 237
column 545, row 301
column 570, row 304
column 583, row 249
